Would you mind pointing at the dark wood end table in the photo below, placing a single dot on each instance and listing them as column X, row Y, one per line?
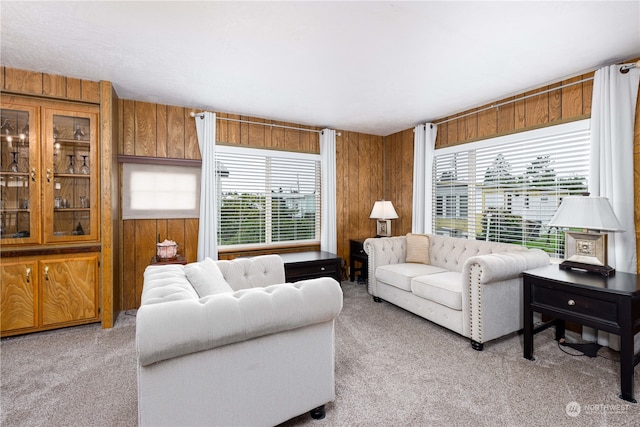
column 312, row 264
column 610, row 304
column 357, row 254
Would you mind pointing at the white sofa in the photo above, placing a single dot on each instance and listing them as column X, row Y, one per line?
column 471, row 287
column 229, row 343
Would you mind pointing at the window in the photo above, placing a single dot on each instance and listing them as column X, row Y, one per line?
column 159, row 191
column 506, row 189
column 267, row 197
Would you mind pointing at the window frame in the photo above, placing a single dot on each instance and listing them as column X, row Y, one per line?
column 267, row 153
column 532, row 190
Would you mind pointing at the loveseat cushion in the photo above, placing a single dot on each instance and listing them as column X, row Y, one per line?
column 400, row 275
column 442, row 288
column 206, row 278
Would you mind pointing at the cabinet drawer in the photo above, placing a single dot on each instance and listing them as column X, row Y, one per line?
column 577, row 305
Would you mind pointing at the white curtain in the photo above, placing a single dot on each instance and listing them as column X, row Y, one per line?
column 611, row 172
column 424, row 140
column 208, row 224
column 328, row 233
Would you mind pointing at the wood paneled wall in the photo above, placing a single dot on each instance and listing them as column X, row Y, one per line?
column 163, row 131
column 49, row 85
column 398, row 167
column 548, row 108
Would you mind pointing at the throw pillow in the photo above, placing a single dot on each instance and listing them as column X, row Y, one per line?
column 418, row 248
column 206, row 278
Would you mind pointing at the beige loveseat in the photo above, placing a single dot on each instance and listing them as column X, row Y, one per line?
column 471, row 287
column 228, row 343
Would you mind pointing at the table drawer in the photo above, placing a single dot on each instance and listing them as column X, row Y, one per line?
column 316, row 270
column 577, row 305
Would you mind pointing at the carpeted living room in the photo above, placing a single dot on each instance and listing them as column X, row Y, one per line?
column 319, row 213
column 392, row 368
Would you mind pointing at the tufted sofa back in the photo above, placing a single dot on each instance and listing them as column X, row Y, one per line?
column 452, row 252
column 259, row 271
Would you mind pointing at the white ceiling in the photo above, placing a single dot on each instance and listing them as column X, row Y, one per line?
column 373, row 67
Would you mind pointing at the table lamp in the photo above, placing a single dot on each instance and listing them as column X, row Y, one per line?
column 586, row 250
column 383, row 212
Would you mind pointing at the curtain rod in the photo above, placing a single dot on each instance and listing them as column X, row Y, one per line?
column 513, row 100
column 193, row 114
column 623, row 69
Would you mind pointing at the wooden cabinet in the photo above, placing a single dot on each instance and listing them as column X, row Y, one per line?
column 19, row 295
column 41, row 293
column 69, row 289
column 50, row 228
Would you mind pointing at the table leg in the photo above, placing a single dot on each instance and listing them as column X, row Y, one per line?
column 352, row 269
column 560, row 329
column 626, row 361
column 528, row 322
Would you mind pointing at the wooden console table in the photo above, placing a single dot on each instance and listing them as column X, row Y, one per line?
column 309, row 265
column 610, row 304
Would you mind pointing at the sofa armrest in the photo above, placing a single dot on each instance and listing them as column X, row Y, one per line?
column 383, row 251
column 176, row 328
column 492, row 292
column 505, row 265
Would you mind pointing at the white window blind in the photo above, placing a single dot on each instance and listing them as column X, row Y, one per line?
column 267, row 196
column 158, row 191
column 507, row 189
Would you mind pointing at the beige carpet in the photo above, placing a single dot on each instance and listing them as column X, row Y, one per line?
column 392, row 369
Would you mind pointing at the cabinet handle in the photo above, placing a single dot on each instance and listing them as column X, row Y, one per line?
column 28, row 275
column 48, row 175
column 46, row 272
column 33, row 174
column 571, row 302
column 322, row 268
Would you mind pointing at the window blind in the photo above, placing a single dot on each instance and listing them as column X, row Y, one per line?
column 152, row 191
column 507, row 189
column 267, row 196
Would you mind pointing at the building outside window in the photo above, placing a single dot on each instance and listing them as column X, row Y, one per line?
column 506, row 189
column 267, row 197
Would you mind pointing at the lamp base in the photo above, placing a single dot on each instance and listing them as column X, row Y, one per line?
column 383, row 228
column 603, row 270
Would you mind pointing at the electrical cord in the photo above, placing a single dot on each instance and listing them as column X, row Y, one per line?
column 560, row 346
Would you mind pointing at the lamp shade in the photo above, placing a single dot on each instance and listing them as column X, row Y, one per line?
column 383, row 209
column 589, row 212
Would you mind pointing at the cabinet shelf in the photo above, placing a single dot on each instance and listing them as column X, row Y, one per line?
column 63, row 141
column 14, row 210
column 71, row 175
column 72, row 209
column 14, row 174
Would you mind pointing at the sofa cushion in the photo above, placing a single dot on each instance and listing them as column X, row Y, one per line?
column 442, row 288
column 400, row 275
column 206, row 278
column 418, row 248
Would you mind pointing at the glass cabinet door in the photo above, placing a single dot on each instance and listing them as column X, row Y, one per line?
column 19, row 179
column 71, row 171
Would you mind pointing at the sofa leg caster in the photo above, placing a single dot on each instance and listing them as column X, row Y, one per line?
column 318, row 413
column 478, row 346
column 376, row 299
